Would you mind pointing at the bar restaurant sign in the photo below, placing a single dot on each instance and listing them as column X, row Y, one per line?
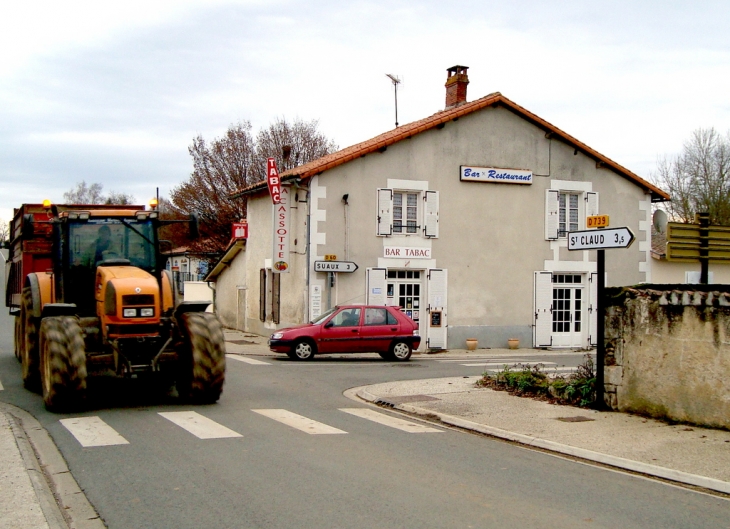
column 495, row 175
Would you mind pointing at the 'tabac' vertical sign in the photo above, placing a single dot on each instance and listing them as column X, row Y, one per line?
column 272, row 177
column 281, row 231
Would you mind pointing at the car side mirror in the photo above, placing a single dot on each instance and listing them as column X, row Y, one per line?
column 329, row 324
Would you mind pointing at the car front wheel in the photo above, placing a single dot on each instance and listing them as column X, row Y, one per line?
column 401, row 351
column 303, row 350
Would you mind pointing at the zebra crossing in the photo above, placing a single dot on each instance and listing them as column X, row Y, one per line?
column 95, row 432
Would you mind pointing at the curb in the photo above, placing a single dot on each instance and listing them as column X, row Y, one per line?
column 63, row 502
column 551, row 446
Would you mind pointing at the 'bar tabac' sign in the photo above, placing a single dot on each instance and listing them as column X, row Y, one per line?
column 494, row 174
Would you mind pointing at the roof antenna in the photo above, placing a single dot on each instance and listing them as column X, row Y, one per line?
column 396, row 82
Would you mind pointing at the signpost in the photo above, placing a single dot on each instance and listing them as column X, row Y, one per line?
column 702, row 241
column 335, row 266
column 600, row 240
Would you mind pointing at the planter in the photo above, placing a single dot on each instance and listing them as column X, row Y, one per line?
column 513, row 343
column 471, row 344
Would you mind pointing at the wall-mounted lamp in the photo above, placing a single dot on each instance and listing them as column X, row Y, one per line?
column 345, row 197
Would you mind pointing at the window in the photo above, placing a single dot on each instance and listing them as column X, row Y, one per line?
column 379, row 317
column 407, row 212
column 346, row 318
column 568, row 213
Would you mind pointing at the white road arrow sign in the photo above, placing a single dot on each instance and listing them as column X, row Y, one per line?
column 600, row 239
column 335, row 266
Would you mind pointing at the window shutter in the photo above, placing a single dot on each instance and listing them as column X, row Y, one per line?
column 431, row 214
column 262, row 294
column 376, row 293
column 385, row 212
column 437, row 290
column 552, row 214
column 593, row 309
column 591, row 204
column 543, row 309
column 276, row 297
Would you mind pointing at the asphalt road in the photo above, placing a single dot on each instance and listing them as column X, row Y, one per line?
column 274, row 475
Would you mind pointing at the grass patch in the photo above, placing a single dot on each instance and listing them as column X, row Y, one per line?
column 576, row 389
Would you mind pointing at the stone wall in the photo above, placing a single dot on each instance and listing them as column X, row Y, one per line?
column 668, row 352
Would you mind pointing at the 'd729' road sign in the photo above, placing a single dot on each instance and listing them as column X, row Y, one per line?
column 600, row 239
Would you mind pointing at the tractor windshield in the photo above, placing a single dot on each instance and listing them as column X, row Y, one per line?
column 99, row 240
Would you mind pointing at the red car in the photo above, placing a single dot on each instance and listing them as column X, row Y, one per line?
column 351, row 329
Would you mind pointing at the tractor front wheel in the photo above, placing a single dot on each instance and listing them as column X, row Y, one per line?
column 202, row 369
column 63, row 363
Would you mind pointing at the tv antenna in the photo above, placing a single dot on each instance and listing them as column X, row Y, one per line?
column 396, row 82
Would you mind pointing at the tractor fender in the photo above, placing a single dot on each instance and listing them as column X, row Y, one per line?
column 41, row 291
column 190, row 306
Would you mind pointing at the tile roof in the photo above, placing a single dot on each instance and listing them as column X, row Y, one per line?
column 382, row 141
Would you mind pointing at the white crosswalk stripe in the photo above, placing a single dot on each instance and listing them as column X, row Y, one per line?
column 387, row 420
column 198, row 425
column 92, row 431
column 247, row 360
column 299, row 422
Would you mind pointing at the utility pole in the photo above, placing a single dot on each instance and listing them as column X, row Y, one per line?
column 396, row 82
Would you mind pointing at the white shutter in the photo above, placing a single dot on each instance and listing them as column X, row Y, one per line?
column 385, row 212
column 593, row 309
column 431, row 214
column 376, row 294
column 437, row 290
column 552, row 213
column 591, row 204
column 543, row 309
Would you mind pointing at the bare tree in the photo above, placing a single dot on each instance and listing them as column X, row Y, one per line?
column 92, row 194
column 4, row 233
column 235, row 161
column 698, row 179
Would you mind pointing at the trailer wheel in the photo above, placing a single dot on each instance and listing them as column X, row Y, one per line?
column 18, row 340
column 202, row 369
column 29, row 342
column 63, row 363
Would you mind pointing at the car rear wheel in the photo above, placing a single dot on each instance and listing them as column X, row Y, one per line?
column 401, row 351
column 303, row 350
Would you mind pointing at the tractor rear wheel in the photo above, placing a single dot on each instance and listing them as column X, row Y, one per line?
column 202, row 369
column 29, row 342
column 18, row 341
column 63, row 363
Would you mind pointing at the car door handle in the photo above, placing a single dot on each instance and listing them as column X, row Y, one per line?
column 354, row 330
column 394, row 328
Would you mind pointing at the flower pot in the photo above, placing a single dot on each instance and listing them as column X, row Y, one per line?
column 513, row 343
column 471, row 344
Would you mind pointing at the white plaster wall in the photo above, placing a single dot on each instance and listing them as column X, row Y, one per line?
column 666, row 272
column 232, row 289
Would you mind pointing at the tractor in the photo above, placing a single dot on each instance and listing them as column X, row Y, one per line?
column 91, row 298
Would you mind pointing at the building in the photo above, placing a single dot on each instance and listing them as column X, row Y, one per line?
column 459, row 218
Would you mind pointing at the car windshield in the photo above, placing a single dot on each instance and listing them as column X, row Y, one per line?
column 319, row 319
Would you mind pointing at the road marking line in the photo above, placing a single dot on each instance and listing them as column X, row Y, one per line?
column 201, row 427
column 502, row 364
column 387, row 420
column 92, row 431
column 247, row 360
column 300, row 423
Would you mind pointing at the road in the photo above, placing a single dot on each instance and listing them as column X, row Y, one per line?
column 246, row 468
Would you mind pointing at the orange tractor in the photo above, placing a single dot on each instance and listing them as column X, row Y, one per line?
column 90, row 297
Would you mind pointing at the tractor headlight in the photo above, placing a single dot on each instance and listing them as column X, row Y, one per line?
column 147, row 313
column 129, row 313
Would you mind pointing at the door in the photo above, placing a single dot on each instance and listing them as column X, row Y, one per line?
column 378, row 329
column 568, row 310
column 342, row 332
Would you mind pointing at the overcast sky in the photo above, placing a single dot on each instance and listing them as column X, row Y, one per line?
column 114, row 92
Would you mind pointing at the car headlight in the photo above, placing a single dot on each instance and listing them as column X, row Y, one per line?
column 129, row 313
column 147, row 313
column 277, row 336
column 415, row 332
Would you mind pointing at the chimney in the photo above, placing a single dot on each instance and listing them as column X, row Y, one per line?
column 456, row 86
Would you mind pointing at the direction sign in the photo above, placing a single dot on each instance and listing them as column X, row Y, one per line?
column 600, row 239
column 335, row 266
